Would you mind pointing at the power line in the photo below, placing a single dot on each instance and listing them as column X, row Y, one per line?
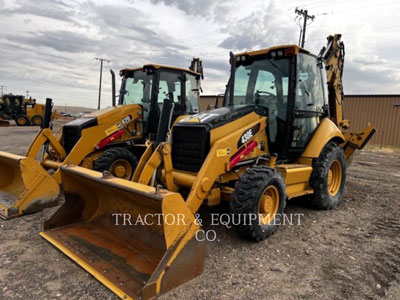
column 220, row 30
column 356, row 32
column 321, row 4
column 362, row 7
column 206, row 42
column 101, row 75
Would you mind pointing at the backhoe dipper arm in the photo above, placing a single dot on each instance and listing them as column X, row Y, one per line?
column 333, row 57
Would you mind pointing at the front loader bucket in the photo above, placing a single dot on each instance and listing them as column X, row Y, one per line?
column 4, row 123
column 25, row 187
column 139, row 242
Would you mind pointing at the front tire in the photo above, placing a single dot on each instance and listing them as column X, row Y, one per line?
column 22, row 120
column 120, row 162
column 258, row 203
column 328, row 177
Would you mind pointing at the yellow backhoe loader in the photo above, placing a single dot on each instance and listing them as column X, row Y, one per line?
column 110, row 139
column 279, row 135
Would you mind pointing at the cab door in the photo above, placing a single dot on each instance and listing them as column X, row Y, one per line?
column 309, row 103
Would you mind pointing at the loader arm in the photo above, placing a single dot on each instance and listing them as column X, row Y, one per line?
column 45, row 135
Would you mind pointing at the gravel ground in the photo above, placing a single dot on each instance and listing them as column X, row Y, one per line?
column 350, row 252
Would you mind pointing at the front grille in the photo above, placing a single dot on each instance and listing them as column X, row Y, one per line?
column 190, row 146
column 72, row 132
column 71, row 136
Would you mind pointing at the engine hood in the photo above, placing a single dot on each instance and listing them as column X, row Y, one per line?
column 216, row 117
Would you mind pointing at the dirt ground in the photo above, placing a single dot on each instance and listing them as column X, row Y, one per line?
column 350, row 252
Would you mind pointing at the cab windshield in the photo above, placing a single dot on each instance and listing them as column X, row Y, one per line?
column 138, row 88
column 263, row 82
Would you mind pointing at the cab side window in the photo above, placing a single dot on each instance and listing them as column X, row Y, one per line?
column 309, row 95
column 192, row 94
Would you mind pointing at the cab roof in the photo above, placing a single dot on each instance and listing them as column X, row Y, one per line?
column 297, row 50
column 156, row 66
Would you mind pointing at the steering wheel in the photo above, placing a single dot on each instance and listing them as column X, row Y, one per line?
column 264, row 92
column 264, row 100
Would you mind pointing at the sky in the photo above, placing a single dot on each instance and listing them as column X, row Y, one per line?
column 49, row 47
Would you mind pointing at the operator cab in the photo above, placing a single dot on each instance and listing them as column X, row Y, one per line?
column 288, row 84
column 151, row 85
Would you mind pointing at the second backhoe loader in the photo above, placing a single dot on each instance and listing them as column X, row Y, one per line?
column 279, row 135
column 111, row 139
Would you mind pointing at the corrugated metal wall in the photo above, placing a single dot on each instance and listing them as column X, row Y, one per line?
column 382, row 111
column 207, row 100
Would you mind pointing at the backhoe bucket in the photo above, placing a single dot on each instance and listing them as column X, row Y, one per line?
column 4, row 123
column 25, row 187
column 138, row 241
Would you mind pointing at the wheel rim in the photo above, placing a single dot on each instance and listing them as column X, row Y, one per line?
column 269, row 204
column 121, row 168
column 37, row 121
column 22, row 121
column 334, row 178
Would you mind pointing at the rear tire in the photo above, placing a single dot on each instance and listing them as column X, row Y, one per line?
column 328, row 177
column 120, row 162
column 260, row 194
column 37, row 120
column 22, row 120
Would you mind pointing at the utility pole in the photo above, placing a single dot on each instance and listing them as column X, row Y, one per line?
column 3, row 87
column 304, row 14
column 101, row 75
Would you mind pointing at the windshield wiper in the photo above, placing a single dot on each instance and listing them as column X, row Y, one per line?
column 276, row 66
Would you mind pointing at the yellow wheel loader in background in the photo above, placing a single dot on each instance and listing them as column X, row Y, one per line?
column 279, row 135
column 24, row 111
column 111, row 139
